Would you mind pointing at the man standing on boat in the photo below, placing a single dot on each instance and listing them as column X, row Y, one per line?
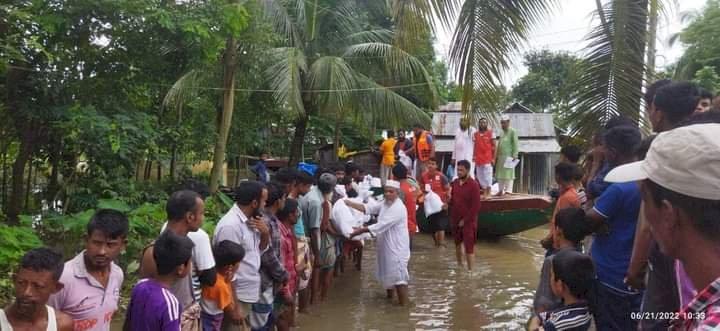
column 484, row 156
column 423, row 148
column 463, row 146
column 507, row 148
column 393, row 242
column 465, row 206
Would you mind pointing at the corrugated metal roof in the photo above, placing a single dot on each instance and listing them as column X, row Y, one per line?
column 527, row 125
column 445, row 145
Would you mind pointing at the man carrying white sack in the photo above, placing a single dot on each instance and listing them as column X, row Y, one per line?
column 393, row 242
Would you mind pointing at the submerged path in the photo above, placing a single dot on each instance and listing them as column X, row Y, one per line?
column 496, row 296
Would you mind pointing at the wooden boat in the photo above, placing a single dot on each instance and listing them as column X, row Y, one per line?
column 500, row 216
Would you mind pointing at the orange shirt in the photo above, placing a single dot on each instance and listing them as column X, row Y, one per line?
column 568, row 199
column 410, row 193
column 484, row 147
column 219, row 295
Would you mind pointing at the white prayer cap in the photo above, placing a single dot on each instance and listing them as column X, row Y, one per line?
column 684, row 160
column 392, row 184
column 505, row 117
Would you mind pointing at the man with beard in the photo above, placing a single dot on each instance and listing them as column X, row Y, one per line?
column 393, row 242
column 92, row 281
column 483, row 156
column 463, row 147
column 244, row 226
column 465, row 206
column 37, row 278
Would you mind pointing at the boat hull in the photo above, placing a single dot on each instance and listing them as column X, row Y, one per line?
column 501, row 217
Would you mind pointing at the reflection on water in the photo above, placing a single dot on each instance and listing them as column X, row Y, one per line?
column 496, row 296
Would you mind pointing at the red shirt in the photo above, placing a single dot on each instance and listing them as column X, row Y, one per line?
column 465, row 201
column 438, row 183
column 410, row 204
column 484, row 147
column 287, row 250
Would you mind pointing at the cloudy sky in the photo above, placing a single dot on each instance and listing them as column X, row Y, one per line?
column 566, row 28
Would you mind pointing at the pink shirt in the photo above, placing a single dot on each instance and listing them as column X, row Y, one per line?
column 287, row 246
column 90, row 305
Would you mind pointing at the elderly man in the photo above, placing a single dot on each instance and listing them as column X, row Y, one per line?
column 507, row 147
column 393, row 252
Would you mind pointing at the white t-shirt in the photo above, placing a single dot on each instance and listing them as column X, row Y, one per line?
column 202, row 259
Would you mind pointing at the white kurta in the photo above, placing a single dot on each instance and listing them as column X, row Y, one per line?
column 464, row 148
column 393, row 242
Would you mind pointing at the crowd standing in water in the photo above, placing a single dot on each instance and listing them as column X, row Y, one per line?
column 633, row 242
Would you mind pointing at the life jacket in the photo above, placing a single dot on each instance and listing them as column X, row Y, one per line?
column 422, row 147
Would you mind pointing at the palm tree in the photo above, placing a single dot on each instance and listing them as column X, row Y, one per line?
column 487, row 32
column 332, row 63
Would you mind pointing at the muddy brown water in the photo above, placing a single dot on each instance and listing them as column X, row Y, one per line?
column 496, row 296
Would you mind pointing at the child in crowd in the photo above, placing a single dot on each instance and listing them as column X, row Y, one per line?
column 152, row 306
column 565, row 174
column 568, row 232
column 217, row 300
column 572, row 279
column 285, row 301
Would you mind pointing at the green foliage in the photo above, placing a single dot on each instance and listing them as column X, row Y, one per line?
column 14, row 242
column 550, row 82
column 702, row 51
column 708, row 78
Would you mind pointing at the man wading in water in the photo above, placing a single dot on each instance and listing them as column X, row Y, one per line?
column 393, row 242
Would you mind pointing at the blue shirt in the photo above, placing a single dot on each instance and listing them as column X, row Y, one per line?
column 597, row 184
column 620, row 206
column 260, row 169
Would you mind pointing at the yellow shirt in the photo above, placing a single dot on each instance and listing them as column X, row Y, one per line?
column 387, row 148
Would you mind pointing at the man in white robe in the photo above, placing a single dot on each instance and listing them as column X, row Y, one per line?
column 393, row 240
column 463, row 147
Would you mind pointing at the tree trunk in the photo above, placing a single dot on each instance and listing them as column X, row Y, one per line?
column 229, row 66
column 296, row 147
column 336, row 143
column 3, row 192
column 651, row 50
column 159, row 174
column 18, row 174
column 28, row 186
column 173, row 159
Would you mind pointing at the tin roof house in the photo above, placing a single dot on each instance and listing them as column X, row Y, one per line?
column 539, row 148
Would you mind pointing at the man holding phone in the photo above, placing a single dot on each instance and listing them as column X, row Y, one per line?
column 243, row 225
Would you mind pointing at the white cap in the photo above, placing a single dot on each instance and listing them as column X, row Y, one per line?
column 392, row 184
column 685, row 160
column 505, row 117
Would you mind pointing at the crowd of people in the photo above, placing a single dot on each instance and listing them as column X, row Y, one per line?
column 634, row 238
column 633, row 241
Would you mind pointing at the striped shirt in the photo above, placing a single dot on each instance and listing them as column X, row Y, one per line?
column 575, row 317
column 152, row 308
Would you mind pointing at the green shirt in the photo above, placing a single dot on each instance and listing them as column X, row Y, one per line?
column 507, row 147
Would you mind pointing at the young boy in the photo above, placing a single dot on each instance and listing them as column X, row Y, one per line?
column 152, row 306
column 565, row 174
column 568, row 232
column 285, row 301
column 217, row 300
column 573, row 275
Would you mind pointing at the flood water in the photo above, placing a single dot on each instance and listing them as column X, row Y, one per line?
column 496, row 296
